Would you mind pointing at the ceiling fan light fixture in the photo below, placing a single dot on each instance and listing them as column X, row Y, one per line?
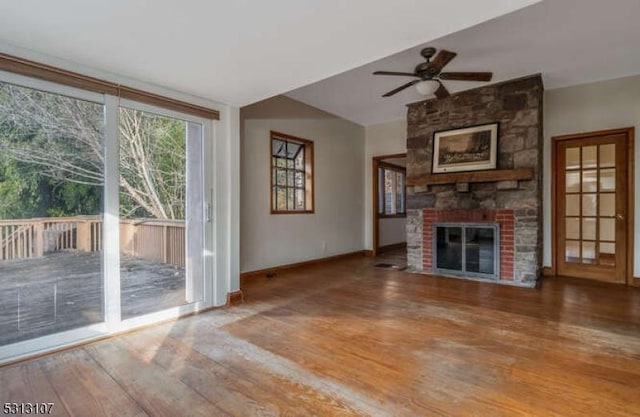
column 427, row 87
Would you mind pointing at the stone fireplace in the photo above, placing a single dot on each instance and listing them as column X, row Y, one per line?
column 506, row 198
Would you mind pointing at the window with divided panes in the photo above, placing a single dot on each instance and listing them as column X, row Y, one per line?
column 291, row 174
column 391, row 191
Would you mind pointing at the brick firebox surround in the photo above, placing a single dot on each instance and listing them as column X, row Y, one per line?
column 505, row 218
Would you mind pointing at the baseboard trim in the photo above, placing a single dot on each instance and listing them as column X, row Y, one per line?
column 368, row 253
column 277, row 269
column 235, row 297
column 394, row 246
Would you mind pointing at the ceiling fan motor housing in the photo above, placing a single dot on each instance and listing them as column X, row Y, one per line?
column 424, row 72
column 428, row 52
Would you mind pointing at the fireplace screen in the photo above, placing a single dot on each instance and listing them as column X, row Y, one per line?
column 467, row 249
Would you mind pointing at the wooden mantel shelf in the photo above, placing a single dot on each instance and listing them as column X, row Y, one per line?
column 493, row 175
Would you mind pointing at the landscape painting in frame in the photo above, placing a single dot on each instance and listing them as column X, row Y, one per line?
column 468, row 149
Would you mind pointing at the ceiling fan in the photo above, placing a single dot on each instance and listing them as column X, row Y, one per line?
column 430, row 76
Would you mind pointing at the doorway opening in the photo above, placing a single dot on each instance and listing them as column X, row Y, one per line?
column 389, row 210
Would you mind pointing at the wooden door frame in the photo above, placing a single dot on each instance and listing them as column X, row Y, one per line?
column 555, row 140
column 374, row 187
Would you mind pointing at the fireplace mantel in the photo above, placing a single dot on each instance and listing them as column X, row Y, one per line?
column 493, row 175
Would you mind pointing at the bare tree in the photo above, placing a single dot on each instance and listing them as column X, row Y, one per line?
column 63, row 138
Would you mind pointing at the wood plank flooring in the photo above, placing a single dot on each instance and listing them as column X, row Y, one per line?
column 349, row 339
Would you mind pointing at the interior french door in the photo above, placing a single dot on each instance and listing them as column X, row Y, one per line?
column 592, row 206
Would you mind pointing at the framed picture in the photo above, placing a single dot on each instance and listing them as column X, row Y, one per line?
column 468, row 149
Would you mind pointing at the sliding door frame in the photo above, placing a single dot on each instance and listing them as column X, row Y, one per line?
column 113, row 322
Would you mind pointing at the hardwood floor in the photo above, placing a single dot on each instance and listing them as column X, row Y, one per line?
column 349, row 339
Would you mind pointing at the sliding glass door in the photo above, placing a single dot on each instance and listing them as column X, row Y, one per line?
column 51, row 187
column 161, row 227
column 102, row 220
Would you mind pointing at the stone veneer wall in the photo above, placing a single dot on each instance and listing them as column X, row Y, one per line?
column 517, row 106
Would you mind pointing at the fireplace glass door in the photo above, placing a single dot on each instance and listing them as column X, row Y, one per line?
column 467, row 249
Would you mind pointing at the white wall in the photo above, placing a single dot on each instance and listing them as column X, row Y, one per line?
column 392, row 230
column 383, row 139
column 336, row 227
column 587, row 108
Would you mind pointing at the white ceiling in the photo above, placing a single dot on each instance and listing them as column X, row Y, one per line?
column 238, row 51
column 568, row 41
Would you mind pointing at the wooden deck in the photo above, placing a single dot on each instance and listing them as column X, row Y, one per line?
column 350, row 339
column 63, row 291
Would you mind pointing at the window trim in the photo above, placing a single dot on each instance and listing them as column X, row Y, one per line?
column 395, row 168
column 309, row 171
column 68, row 78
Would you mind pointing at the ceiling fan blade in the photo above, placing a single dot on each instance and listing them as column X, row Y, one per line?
column 402, row 87
column 441, row 92
column 466, row 76
column 404, row 74
column 442, row 59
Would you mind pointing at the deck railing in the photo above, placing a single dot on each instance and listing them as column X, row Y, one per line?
column 157, row 240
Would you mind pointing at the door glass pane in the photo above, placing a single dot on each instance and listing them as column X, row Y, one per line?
column 607, row 229
column 607, row 205
column 159, row 195
column 607, row 247
column 589, row 181
column 589, row 204
column 51, row 187
column 573, row 227
column 589, row 157
column 572, row 204
column 449, row 248
column 588, row 252
column 589, row 228
column 572, row 158
column 479, row 250
column 607, row 156
column 607, row 254
column 607, row 180
column 573, row 182
column 572, row 249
